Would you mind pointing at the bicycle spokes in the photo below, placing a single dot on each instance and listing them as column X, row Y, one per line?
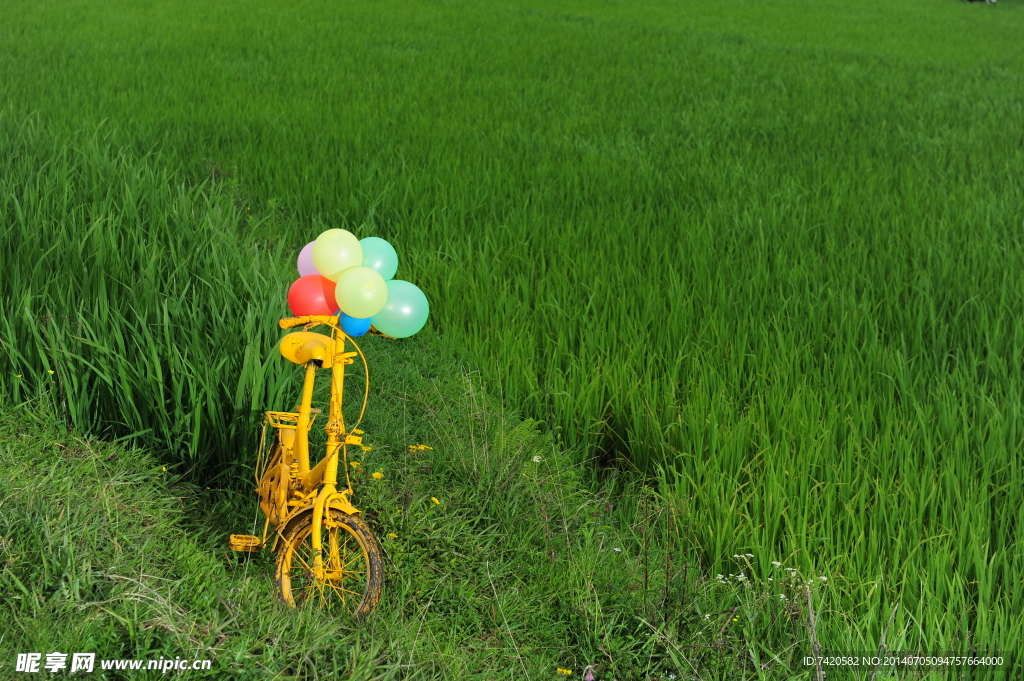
column 347, row 569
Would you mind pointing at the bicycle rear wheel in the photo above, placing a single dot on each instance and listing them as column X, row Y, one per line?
column 353, row 568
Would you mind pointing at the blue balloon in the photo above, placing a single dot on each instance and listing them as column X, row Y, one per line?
column 353, row 326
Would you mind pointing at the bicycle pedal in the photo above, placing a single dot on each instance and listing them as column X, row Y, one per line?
column 244, row 542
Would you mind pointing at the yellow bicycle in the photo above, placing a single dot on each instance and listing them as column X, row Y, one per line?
column 326, row 553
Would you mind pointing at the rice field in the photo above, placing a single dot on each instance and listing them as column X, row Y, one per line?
column 765, row 253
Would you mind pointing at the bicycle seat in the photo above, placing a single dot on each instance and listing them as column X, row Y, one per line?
column 305, row 346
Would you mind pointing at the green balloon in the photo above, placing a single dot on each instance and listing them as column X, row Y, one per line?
column 405, row 311
column 379, row 255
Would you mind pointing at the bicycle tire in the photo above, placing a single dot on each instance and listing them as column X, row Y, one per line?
column 351, row 554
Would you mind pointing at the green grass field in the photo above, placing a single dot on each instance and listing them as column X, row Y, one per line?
column 762, row 255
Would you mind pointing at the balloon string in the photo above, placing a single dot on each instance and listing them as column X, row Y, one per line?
column 366, row 395
column 366, row 382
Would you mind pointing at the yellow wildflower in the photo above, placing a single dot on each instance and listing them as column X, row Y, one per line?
column 49, row 371
column 393, row 535
column 365, row 448
column 419, row 448
column 434, row 499
column 567, row 672
column 354, row 464
column 378, row 475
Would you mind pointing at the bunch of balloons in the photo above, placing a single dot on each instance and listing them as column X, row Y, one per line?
column 353, row 278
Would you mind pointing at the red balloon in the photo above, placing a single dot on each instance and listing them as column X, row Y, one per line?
column 312, row 294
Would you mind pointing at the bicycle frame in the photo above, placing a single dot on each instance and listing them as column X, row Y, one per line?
column 325, row 472
column 319, row 352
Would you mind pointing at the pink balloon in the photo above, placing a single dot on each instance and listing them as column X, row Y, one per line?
column 306, row 266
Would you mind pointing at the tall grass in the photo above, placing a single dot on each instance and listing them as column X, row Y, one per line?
column 782, row 273
column 135, row 300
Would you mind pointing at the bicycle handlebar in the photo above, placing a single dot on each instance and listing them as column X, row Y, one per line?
column 331, row 320
column 292, row 322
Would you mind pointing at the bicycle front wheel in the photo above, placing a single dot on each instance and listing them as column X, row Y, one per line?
column 352, row 568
